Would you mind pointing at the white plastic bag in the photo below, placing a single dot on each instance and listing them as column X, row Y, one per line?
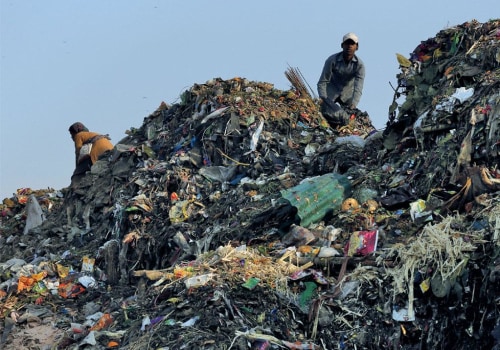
column 85, row 151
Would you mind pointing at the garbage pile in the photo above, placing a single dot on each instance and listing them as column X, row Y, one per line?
column 238, row 219
column 451, row 88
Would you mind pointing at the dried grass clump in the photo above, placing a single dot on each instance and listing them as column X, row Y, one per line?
column 233, row 265
column 440, row 246
column 241, row 263
column 494, row 220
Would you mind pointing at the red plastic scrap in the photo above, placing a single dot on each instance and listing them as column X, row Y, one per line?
column 361, row 243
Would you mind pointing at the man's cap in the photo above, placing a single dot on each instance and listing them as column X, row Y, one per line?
column 350, row 36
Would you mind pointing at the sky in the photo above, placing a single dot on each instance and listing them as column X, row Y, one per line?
column 109, row 64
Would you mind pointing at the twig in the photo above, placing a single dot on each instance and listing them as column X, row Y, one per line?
column 235, row 161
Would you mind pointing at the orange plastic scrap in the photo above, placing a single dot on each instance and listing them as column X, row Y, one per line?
column 22, row 199
column 181, row 272
column 27, row 282
column 24, row 282
column 70, row 289
column 39, row 276
column 131, row 237
column 105, row 321
column 113, row 344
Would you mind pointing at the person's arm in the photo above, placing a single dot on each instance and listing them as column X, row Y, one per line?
column 324, row 79
column 359, row 80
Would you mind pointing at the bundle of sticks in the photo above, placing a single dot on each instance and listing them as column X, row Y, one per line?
column 297, row 80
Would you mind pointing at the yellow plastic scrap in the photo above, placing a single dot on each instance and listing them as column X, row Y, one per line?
column 403, row 329
column 178, row 212
column 403, row 61
column 62, row 271
column 437, row 53
column 425, row 285
column 174, row 300
column 9, row 203
column 371, row 205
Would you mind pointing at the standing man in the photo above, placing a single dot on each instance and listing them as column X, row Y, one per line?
column 341, row 83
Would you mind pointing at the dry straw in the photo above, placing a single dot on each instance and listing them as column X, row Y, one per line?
column 441, row 247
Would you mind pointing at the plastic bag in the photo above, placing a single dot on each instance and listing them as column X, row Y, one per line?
column 198, row 281
column 85, row 151
column 34, row 214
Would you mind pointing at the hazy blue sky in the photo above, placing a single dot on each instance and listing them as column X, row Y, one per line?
column 109, row 63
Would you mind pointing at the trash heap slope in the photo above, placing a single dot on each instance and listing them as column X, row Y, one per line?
column 236, row 218
column 449, row 89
